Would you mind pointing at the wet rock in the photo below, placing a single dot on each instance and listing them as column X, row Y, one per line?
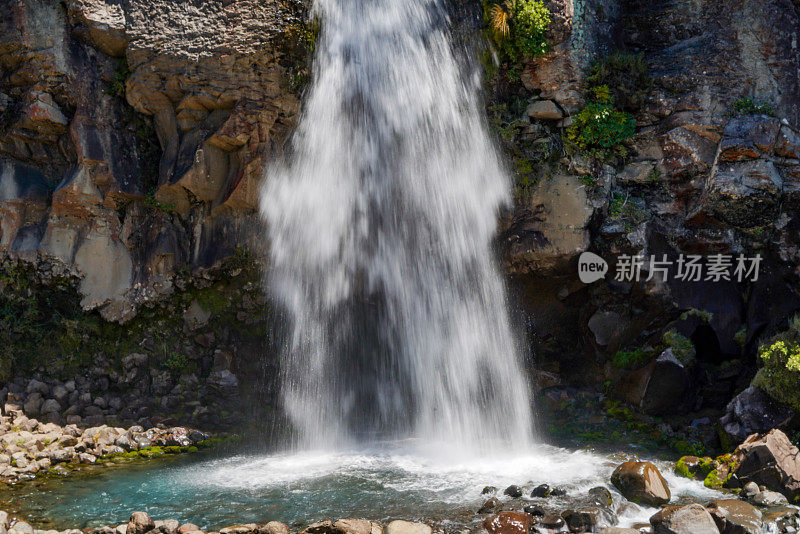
column 488, row 490
column 490, row 506
column 689, row 519
column 582, row 520
column 513, row 491
column 769, row 498
column 619, row 530
column 534, row 510
column 542, row 490
column 735, row 517
column 769, row 460
column 641, row 482
column 140, row 523
column 508, row 523
column 407, row 527
column 552, row 521
column 601, row 496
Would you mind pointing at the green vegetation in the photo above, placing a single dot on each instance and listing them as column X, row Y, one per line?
column 703, row 315
column 629, row 211
column 715, row 473
column 681, row 346
column 622, row 77
column 631, row 359
column 42, row 323
column 151, row 202
column 517, row 28
column 599, row 129
column 116, row 86
column 747, row 106
column 780, row 375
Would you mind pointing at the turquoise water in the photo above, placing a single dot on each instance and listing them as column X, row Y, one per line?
column 298, row 489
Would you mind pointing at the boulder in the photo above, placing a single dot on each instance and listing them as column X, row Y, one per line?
column 582, row 520
column 769, row 460
column 353, row 526
column 753, row 411
column 50, row 406
column 659, row 388
column 689, row 519
column 508, row 523
column 407, row 527
column 513, row 491
column 490, row 506
column 770, row 498
column 139, row 523
column 21, row 527
column 748, row 137
column 735, row 517
column 641, row 482
column 167, row 526
column 743, row 194
column 544, row 109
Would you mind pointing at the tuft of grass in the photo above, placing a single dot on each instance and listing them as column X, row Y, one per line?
column 747, row 106
column 623, row 77
column 631, row 359
column 599, row 130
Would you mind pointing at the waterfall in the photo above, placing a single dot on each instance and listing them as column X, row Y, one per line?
column 380, row 226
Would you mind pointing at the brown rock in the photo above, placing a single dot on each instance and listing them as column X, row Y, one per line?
column 736, row 517
column 689, row 519
column 769, row 460
column 139, row 523
column 641, row 482
column 508, row 523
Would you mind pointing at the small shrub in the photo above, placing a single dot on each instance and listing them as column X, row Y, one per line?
column 627, row 210
column 631, row 359
column 624, row 78
column 116, row 86
column 780, row 375
column 599, row 129
column 176, row 361
column 517, row 28
column 681, row 346
column 746, row 106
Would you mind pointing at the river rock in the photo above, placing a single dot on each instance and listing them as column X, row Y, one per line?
column 641, row 482
column 407, row 527
column 316, row 528
column 735, row 517
column 21, row 527
column 490, row 506
column 4, row 519
column 167, row 526
column 689, row 519
column 769, row 498
column 187, row 527
column 508, row 523
column 770, row 460
column 582, row 520
column 513, row 491
column 353, row 526
column 542, row 490
column 620, row 530
column 139, row 523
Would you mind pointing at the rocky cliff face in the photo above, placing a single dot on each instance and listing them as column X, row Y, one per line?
column 707, row 172
column 133, row 135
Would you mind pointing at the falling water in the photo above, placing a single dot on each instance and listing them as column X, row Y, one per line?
column 380, row 227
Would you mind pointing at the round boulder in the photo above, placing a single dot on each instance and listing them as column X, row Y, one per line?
column 139, row 523
column 689, row 519
column 641, row 482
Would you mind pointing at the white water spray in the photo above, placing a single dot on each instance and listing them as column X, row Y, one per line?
column 380, row 227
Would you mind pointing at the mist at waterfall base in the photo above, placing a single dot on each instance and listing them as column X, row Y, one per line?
column 401, row 376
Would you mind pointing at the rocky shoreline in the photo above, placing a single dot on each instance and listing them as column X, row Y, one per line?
column 761, row 480
column 29, row 446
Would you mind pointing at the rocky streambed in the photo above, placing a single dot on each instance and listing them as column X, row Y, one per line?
column 630, row 497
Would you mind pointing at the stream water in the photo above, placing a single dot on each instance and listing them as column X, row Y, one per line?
column 300, row 488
